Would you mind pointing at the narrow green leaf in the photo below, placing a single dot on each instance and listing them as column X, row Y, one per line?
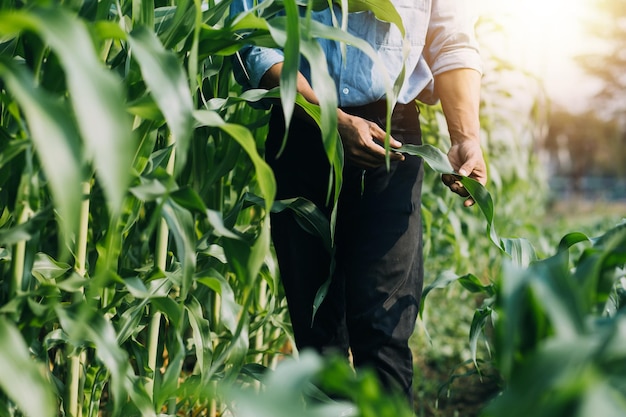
column 443, row 280
column 82, row 323
column 520, row 250
column 168, row 85
column 571, row 239
column 480, row 319
column 46, row 268
column 14, row 148
column 383, row 9
column 471, row 283
column 291, row 64
column 433, row 156
column 484, row 201
column 325, row 90
column 320, row 295
column 229, row 309
column 265, row 176
column 201, row 332
column 97, row 99
column 169, row 382
column 56, row 141
column 22, row 379
column 181, row 226
column 309, row 217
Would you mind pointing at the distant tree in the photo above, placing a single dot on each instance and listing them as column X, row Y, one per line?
column 608, row 63
column 586, row 144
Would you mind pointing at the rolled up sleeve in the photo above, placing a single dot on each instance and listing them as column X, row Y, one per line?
column 451, row 40
column 252, row 62
column 256, row 62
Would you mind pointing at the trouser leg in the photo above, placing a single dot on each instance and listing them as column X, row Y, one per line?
column 377, row 285
column 379, row 243
column 302, row 170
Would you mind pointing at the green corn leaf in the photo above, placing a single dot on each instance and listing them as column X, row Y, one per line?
column 320, row 295
column 264, row 174
column 170, row 308
column 246, row 257
column 229, row 309
column 56, row 142
column 143, row 13
column 383, row 9
column 291, row 65
column 181, row 226
column 168, row 385
column 168, row 85
column 325, row 90
column 201, row 331
column 471, row 283
column 520, row 250
column 571, row 239
column 480, row 319
column 189, row 199
column 444, row 279
column 433, row 156
column 596, row 268
column 46, row 268
column 96, row 96
column 550, row 280
column 23, row 379
column 82, row 323
column 309, row 217
column 12, row 149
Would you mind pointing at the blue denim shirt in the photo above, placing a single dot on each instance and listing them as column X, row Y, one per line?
column 441, row 36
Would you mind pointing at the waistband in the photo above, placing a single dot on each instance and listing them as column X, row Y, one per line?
column 380, row 108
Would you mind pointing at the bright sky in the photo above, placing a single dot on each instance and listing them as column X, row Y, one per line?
column 543, row 36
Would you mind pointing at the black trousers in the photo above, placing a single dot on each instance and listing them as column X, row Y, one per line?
column 373, row 300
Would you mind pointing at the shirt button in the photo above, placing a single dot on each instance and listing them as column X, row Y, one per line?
column 346, row 90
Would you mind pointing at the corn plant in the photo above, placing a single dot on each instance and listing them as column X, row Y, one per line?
column 559, row 332
column 135, row 269
column 136, row 272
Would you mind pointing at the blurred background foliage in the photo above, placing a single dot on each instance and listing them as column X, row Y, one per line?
column 136, row 271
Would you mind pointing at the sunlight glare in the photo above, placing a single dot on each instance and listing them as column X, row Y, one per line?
column 543, row 36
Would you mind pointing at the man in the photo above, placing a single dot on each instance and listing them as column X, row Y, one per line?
column 373, row 300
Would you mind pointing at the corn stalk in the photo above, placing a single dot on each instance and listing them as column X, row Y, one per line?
column 77, row 358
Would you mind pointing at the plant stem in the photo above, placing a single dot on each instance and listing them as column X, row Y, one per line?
column 19, row 255
column 260, row 336
column 80, row 266
column 160, row 260
column 153, row 346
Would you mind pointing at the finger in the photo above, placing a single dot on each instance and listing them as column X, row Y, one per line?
column 469, row 202
column 379, row 135
column 377, row 148
column 459, row 189
column 449, row 179
column 365, row 159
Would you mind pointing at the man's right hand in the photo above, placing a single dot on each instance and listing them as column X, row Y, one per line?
column 363, row 141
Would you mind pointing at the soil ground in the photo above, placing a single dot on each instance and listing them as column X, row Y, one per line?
column 462, row 393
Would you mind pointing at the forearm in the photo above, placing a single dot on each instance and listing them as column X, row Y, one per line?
column 271, row 79
column 459, row 92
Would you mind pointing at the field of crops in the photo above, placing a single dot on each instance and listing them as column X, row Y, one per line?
column 137, row 276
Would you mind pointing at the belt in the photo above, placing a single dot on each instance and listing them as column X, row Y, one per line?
column 379, row 108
